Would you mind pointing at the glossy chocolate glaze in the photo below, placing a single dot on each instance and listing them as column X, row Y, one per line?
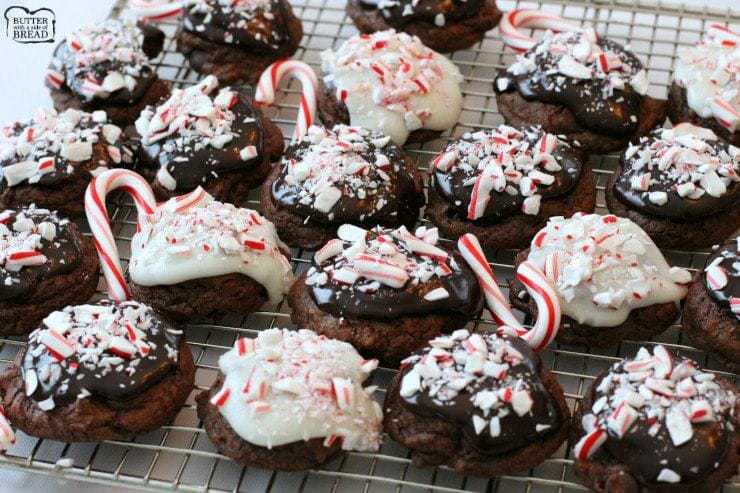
column 729, row 252
column 193, row 165
column 262, row 29
column 615, row 115
column 63, row 255
column 452, row 186
column 516, row 431
column 399, row 13
column 116, row 386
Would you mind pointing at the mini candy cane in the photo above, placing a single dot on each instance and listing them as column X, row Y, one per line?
column 271, row 77
column 514, row 19
column 158, row 11
column 547, row 324
column 97, row 216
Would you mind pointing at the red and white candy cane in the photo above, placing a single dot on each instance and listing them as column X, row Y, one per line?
column 158, row 11
column 723, row 34
column 515, row 19
column 267, row 88
column 549, row 312
column 97, row 216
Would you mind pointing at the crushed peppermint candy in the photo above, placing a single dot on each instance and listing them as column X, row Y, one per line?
column 504, row 169
column 236, row 21
column 52, row 145
column 603, row 267
column 286, row 386
column 722, row 276
column 106, row 349
column 666, row 399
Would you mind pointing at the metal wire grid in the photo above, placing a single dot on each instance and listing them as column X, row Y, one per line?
column 180, row 455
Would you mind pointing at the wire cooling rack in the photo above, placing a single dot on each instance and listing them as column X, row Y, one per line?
column 181, row 456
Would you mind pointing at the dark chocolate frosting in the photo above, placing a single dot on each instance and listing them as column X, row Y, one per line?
column 682, row 174
column 105, row 61
column 341, row 285
column 255, row 24
column 112, row 351
column 568, row 69
column 399, row 13
column 345, row 175
column 504, row 405
column 51, row 148
column 727, row 259
column 207, row 135
column 27, row 233
column 513, row 155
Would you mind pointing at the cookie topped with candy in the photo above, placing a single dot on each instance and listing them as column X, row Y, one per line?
column 706, row 84
column 392, row 83
column 210, row 137
column 89, row 369
column 343, row 175
column 657, row 419
column 49, row 159
column 291, row 389
column 480, row 403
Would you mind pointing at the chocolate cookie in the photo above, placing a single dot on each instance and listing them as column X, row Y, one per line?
column 98, row 372
column 290, row 400
column 706, row 85
column 657, row 423
column 480, row 404
column 442, row 26
column 503, row 184
column 209, row 138
column 390, row 82
column 196, row 258
column 577, row 84
column 680, row 185
column 236, row 41
column 49, row 159
column 45, row 265
column 385, row 291
column 343, row 175
column 711, row 316
column 612, row 281
column 105, row 66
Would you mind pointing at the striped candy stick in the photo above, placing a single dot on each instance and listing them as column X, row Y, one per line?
column 514, row 19
column 267, row 87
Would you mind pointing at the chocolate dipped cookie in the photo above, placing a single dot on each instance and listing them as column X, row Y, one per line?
column 49, row 159
column 385, row 291
column 236, row 40
column 706, row 84
column 105, row 66
column 680, row 185
column 391, row 83
column 106, row 371
column 612, row 281
column 343, row 175
column 442, row 26
column 582, row 86
column 657, row 423
column 503, row 184
column 290, row 400
column 209, row 137
column 45, row 265
column 482, row 405
column 711, row 316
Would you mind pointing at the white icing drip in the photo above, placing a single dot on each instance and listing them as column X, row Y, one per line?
column 209, row 239
column 394, row 84
column 299, row 386
column 604, row 267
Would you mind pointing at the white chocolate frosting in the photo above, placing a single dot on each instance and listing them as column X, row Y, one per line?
column 391, row 82
column 603, row 267
column 181, row 242
column 286, row 386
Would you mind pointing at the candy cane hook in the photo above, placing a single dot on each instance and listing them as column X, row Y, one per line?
column 549, row 312
column 270, row 79
column 515, row 19
column 158, row 11
column 97, row 217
